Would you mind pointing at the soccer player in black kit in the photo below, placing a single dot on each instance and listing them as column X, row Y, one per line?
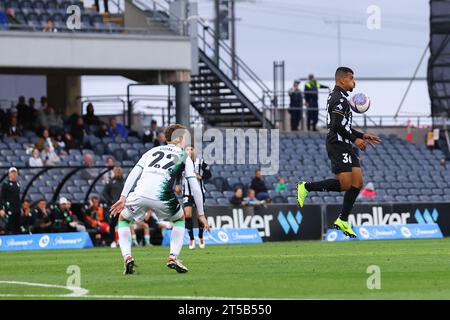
column 344, row 162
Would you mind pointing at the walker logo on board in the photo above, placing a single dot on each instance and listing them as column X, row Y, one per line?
column 426, row 217
column 289, row 222
column 239, row 221
column 378, row 218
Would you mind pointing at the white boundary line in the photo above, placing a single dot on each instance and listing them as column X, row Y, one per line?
column 76, row 291
column 83, row 293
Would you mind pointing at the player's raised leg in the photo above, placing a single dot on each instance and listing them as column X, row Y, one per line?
column 356, row 182
column 303, row 188
column 125, row 244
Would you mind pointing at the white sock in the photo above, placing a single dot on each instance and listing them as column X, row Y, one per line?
column 125, row 241
column 176, row 240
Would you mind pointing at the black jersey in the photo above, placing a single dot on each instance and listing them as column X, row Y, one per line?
column 339, row 118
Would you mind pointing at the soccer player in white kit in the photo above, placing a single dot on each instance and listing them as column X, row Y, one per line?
column 155, row 175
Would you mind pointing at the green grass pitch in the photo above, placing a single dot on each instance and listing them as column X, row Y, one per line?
column 410, row 269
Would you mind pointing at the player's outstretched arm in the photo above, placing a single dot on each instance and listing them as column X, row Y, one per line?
column 371, row 139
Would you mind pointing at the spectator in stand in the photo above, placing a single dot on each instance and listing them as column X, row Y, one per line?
column 47, row 118
column 13, row 129
column 295, row 105
column 35, row 159
column 96, row 220
column 12, row 20
column 116, row 129
column 441, row 144
column 90, row 119
column 79, row 133
column 42, row 220
column 162, row 141
column 10, row 200
column 251, row 198
column 102, row 131
column 69, row 142
column 105, row 5
column 60, row 144
column 3, row 23
column 151, row 135
column 44, row 103
column 88, row 173
column 113, row 188
column 237, row 199
column 25, row 114
column 50, row 26
column 47, row 146
column 111, row 193
column 368, row 192
column 63, row 218
column 3, row 222
column 110, row 174
column 259, row 186
column 26, row 218
column 49, row 156
column 32, row 105
column 312, row 101
column 281, row 185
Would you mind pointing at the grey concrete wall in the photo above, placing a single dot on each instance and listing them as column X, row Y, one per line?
column 90, row 51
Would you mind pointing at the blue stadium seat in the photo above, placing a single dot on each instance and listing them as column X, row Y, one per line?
column 223, row 201
column 279, row 199
column 227, row 194
column 210, row 202
column 216, row 194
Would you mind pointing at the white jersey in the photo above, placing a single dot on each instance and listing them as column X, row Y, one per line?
column 198, row 169
column 161, row 166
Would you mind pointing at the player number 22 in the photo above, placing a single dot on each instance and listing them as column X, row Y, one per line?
column 159, row 156
column 347, row 158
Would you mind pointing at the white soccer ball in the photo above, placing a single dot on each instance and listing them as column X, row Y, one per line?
column 360, row 102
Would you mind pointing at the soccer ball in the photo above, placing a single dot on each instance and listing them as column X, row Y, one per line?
column 360, row 102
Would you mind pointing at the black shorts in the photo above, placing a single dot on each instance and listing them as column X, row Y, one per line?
column 342, row 156
column 188, row 201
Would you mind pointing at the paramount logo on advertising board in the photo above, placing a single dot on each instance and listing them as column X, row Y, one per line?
column 61, row 240
column 377, row 217
column 18, row 243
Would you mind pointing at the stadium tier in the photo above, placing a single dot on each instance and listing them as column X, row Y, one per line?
column 34, row 15
column 400, row 171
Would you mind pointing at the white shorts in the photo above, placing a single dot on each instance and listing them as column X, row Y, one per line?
column 137, row 206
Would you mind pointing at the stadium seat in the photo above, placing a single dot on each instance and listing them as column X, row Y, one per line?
column 227, row 194
column 223, row 201
column 215, row 194
column 210, row 202
column 279, row 199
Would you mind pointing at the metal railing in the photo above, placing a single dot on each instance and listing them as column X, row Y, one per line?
column 257, row 92
column 159, row 107
column 358, row 120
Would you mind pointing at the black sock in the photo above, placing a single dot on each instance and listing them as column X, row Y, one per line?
column 349, row 200
column 325, row 185
column 190, row 227
column 200, row 230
